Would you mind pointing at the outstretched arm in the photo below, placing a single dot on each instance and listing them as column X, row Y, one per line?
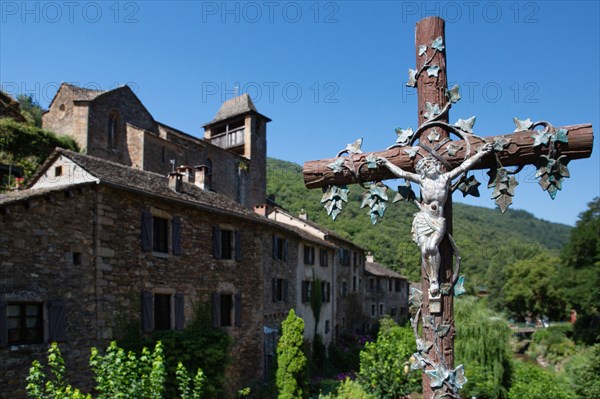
column 470, row 162
column 398, row 171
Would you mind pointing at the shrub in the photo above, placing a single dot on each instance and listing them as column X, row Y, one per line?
column 349, row 389
column 533, row 382
column 584, row 373
column 291, row 360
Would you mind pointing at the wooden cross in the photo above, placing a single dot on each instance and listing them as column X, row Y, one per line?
column 515, row 149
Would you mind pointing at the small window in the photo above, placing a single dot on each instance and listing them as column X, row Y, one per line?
column 162, row 312
column 77, row 258
column 397, row 285
column 344, row 289
column 226, row 309
column 327, row 327
column 280, row 288
column 390, row 285
column 354, row 283
column 160, row 233
column 226, row 244
column 344, row 256
column 323, row 258
column 280, row 248
column 373, row 310
column 393, row 312
column 306, row 291
column 58, row 171
column 309, row 255
column 371, row 284
column 381, row 309
column 25, row 322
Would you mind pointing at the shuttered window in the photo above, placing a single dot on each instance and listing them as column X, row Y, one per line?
column 280, row 288
column 323, row 258
column 226, row 309
column 309, row 255
column 227, row 244
column 162, row 311
column 23, row 323
column 280, row 248
column 155, row 234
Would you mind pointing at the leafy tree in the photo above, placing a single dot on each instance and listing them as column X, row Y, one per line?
column 30, row 109
column 291, row 361
column 584, row 373
column 530, row 381
column 349, row 389
column 384, row 369
column 316, row 300
column 530, row 288
column 552, row 343
column 482, row 346
column 580, row 273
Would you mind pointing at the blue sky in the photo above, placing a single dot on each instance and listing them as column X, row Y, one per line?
column 325, row 72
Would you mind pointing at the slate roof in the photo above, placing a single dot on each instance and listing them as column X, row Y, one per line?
column 381, row 271
column 84, row 94
column 236, row 106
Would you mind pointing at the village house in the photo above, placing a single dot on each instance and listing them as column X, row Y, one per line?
column 148, row 225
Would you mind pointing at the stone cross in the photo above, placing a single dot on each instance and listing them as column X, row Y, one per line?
column 438, row 161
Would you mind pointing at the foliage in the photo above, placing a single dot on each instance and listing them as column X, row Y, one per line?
column 349, row 389
column 188, row 387
column 552, row 343
column 531, row 288
column 198, row 346
column 482, row 346
column 584, row 372
column 28, row 146
column 316, row 301
column 121, row 374
column 39, row 386
column 30, row 110
column 530, row 381
column 580, row 272
column 291, row 369
column 484, row 257
column 344, row 355
column 384, row 364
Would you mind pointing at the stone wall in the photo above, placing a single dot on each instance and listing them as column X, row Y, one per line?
column 67, row 117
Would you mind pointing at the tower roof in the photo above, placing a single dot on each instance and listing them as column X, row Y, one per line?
column 234, row 107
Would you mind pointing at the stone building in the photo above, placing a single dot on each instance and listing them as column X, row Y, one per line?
column 148, row 225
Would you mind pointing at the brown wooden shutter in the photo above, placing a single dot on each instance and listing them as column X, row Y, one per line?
column 179, row 311
column 216, row 242
column 57, row 321
column 3, row 325
column 146, row 231
column 176, row 236
column 238, row 310
column 238, row 245
column 216, row 309
column 147, row 312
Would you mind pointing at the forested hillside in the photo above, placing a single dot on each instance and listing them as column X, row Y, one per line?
column 488, row 240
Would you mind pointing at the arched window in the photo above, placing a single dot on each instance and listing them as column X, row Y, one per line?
column 113, row 121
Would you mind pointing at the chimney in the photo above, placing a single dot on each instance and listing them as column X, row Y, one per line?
column 175, row 181
column 261, row 210
column 303, row 215
column 202, row 177
column 370, row 257
column 186, row 171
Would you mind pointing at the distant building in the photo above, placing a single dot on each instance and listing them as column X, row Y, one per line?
column 152, row 222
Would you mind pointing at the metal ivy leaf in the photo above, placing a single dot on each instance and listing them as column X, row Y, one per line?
column 428, row 321
column 561, row 163
column 438, row 44
column 503, row 201
column 412, row 78
column 416, row 297
column 422, row 49
column 433, row 70
column 337, row 165
column 334, row 198
column 466, row 125
column 354, row 148
column 453, row 94
column 423, row 346
column 469, row 186
column 453, row 149
column 367, row 200
column 431, row 110
column 552, row 190
column 375, row 198
column 504, row 187
column 560, row 135
column 404, row 135
column 457, row 377
column 459, row 287
column 437, row 376
column 371, row 162
column 434, row 135
column 500, row 144
column 522, row 124
column 379, row 191
column 540, row 137
column 418, row 363
column 405, row 193
column 445, row 288
column 412, row 152
column 442, row 329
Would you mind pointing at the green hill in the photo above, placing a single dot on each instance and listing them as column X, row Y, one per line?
column 487, row 239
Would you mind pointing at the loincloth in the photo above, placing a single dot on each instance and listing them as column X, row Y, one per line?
column 425, row 225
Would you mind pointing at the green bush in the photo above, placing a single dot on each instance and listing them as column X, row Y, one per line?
column 584, row 373
column 384, row 364
column 291, row 360
column 349, row 389
column 530, row 381
column 552, row 343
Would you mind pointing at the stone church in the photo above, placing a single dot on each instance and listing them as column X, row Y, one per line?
column 152, row 222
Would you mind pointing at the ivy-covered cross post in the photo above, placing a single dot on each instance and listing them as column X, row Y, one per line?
column 440, row 165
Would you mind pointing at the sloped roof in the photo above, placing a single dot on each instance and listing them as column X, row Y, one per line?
column 236, row 106
column 84, row 94
column 381, row 271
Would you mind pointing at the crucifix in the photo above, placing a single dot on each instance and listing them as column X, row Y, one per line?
column 439, row 165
